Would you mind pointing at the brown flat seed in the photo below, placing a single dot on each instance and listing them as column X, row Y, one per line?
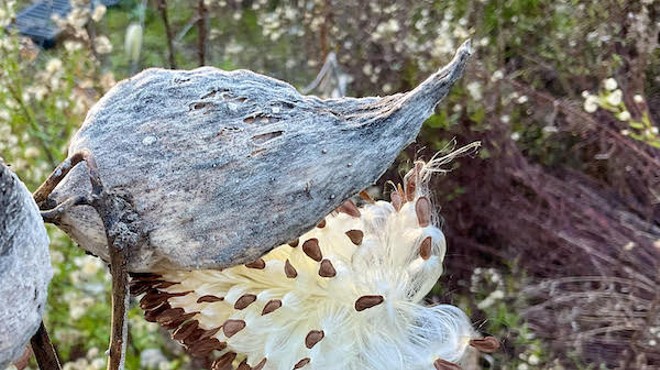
column 204, row 347
column 169, row 314
column 195, row 336
column 425, row 248
column 327, row 269
column 140, row 288
column 486, row 344
column 145, row 276
column 366, row 197
column 368, row 301
column 231, row 327
column 210, row 333
column 259, row 264
column 294, row 243
column 244, row 365
column 313, row 337
column 395, row 199
column 321, row 224
column 152, row 300
column 423, row 210
column 411, row 186
column 302, row 363
column 349, row 208
column 271, row 306
column 312, row 249
column 165, row 284
column 356, row 236
column 224, row 362
column 244, row 301
column 152, row 315
column 411, row 181
column 260, row 365
column 185, row 330
column 441, row 364
column 289, row 270
column 209, row 299
column 175, row 323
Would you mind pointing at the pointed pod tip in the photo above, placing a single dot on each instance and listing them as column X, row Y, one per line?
column 466, row 48
column 421, row 101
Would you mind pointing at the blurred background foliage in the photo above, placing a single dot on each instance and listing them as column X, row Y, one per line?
column 553, row 229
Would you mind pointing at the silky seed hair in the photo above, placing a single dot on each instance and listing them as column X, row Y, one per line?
column 348, row 294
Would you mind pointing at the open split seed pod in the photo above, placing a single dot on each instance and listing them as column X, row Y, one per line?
column 25, row 269
column 348, row 294
column 224, row 166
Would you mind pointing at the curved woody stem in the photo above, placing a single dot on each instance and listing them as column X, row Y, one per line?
column 116, row 212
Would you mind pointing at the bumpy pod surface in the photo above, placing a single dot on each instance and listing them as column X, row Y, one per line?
column 345, row 295
column 224, row 166
column 25, row 269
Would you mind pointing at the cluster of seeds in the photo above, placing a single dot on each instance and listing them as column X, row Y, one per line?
column 345, row 295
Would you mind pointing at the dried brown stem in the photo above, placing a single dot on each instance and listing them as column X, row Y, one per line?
column 162, row 8
column 42, row 193
column 43, row 349
column 123, row 234
column 202, row 11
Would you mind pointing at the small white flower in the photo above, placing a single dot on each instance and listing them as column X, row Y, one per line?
column 591, row 104
column 505, row 118
column 99, row 12
column 54, row 65
column 585, row 94
column 654, row 130
column 610, row 84
column 625, row 132
column 497, row 75
column 522, row 99
column 515, row 136
column 533, row 359
column 474, row 88
column 624, row 116
column 615, row 98
column 102, row 45
column 638, row 99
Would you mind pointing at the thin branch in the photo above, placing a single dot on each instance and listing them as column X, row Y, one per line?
column 42, row 193
column 122, row 231
column 43, row 349
column 53, row 215
column 162, row 8
column 202, row 11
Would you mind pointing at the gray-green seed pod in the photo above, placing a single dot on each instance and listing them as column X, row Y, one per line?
column 224, row 166
column 25, row 269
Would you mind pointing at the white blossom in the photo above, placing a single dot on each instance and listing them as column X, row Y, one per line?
column 474, row 88
column 624, row 116
column 610, row 84
column 615, row 98
column 591, row 104
column 497, row 75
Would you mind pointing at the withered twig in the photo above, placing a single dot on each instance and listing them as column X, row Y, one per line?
column 60, row 172
column 201, row 32
column 119, row 221
column 162, row 8
column 43, row 349
column 52, row 215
